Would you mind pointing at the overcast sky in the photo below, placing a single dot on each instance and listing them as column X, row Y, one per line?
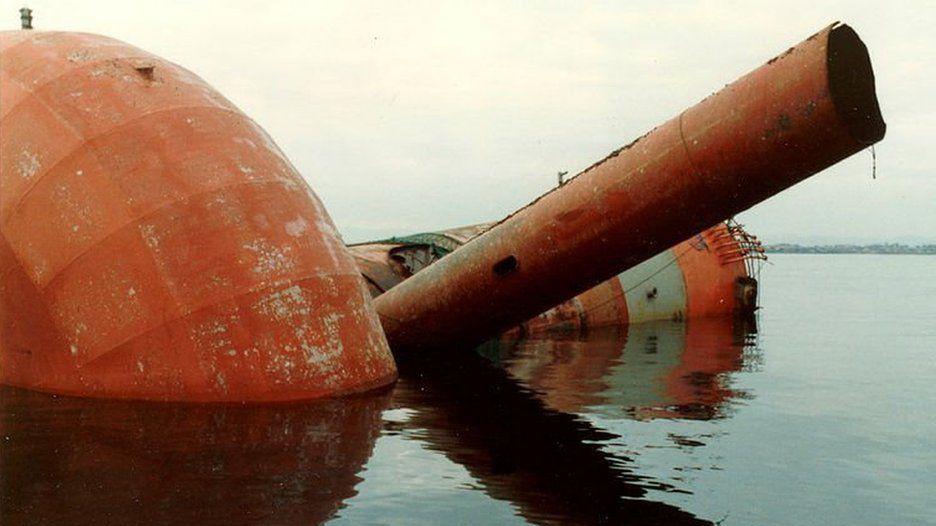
column 437, row 114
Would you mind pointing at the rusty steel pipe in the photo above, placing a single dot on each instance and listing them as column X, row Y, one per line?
column 799, row 113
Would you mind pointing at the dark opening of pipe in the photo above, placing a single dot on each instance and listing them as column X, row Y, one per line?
column 506, row 266
column 851, row 85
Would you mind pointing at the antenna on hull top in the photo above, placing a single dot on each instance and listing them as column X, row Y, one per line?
column 26, row 17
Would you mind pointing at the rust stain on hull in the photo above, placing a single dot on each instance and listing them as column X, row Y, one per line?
column 156, row 244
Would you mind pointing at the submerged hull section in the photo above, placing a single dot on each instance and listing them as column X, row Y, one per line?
column 156, row 244
column 708, row 275
column 711, row 275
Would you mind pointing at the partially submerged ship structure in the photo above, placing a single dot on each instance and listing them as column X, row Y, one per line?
column 712, row 274
column 156, row 244
column 804, row 110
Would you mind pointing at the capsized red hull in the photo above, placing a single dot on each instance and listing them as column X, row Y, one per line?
column 156, row 244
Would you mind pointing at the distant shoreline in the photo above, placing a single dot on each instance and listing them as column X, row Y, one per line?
column 882, row 248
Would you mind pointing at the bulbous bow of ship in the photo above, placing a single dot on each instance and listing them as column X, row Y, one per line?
column 156, row 244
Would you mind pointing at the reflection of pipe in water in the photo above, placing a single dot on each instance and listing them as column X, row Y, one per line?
column 85, row 461
column 550, row 465
column 651, row 370
column 73, row 460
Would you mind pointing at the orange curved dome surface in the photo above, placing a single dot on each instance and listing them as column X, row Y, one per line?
column 156, row 244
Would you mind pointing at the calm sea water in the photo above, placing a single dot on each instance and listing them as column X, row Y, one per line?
column 821, row 414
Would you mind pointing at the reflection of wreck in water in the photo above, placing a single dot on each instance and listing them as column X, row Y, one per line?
column 649, row 370
column 86, row 461
column 510, row 424
column 549, row 464
column 75, row 460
